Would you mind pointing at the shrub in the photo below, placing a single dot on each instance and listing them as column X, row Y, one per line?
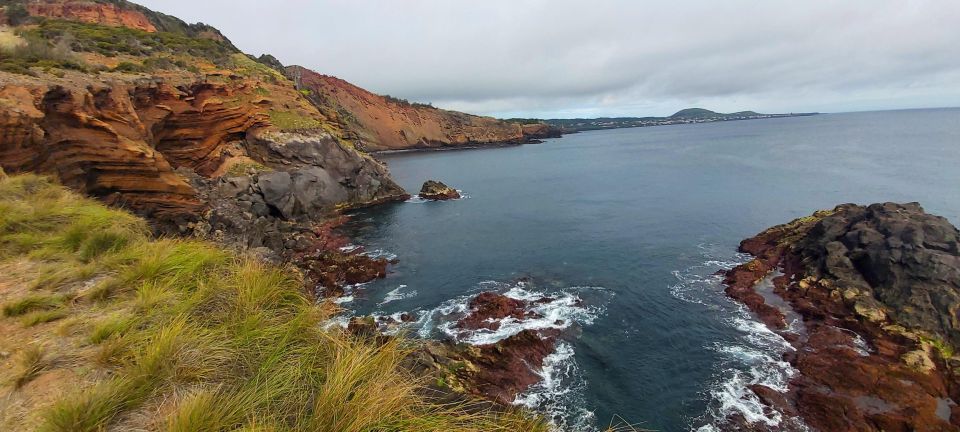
column 112, row 41
column 37, row 52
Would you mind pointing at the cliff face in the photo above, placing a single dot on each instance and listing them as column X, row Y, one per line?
column 380, row 123
column 128, row 141
column 91, row 12
column 156, row 128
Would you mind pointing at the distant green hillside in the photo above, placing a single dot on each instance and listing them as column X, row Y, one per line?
column 701, row 113
column 689, row 115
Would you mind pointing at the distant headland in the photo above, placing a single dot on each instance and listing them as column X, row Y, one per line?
column 689, row 115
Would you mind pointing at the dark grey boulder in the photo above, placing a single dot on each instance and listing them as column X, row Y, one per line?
column 900, row 258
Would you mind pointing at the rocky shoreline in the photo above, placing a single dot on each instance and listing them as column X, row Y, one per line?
column 878, row 290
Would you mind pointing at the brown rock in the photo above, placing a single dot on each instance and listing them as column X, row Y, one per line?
column 434, row 190
column 382, row 123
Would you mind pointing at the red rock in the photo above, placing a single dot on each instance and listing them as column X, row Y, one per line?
column 488, row 308
column 507, row 368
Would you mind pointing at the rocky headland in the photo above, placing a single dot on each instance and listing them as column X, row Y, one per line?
column 878, row 290
column 384, row 123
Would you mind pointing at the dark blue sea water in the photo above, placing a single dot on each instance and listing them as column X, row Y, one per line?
column 635, row 222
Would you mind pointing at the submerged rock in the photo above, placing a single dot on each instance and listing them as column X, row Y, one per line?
column 434, row 190
column 488, row 308
column 878, row 288
column 497, row 371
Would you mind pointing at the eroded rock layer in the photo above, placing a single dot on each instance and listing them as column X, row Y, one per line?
column 112, row 14
column 878, row 288
column 138, row 142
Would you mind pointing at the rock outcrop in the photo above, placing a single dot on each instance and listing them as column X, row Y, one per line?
column 379, row 123
column 437, row 191
column 496, row 371
column 878, row 288
column 129, row 142
column 93, row 12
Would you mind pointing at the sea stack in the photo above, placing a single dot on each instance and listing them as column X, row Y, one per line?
column 434, row 190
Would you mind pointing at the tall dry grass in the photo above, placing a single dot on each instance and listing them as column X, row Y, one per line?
column 222, row 343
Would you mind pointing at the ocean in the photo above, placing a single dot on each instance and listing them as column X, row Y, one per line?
column 626, row 229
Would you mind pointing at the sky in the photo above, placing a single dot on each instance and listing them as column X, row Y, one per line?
column 564, row 59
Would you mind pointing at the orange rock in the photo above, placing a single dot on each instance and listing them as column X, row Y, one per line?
column 384, row 124
column 91, row 12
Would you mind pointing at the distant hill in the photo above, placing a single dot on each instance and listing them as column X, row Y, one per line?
column 689, row 115
column 701, row 113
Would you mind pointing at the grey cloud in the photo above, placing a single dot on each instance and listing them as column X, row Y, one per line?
column 550, row 58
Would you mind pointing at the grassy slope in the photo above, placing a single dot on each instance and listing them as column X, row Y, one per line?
column 107, row 328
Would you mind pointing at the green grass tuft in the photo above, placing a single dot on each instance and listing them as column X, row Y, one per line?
column 43, row 317
column 31, row 361
column 33, row 303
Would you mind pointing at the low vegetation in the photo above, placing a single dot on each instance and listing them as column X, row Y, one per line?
column 291, row 120
column 20, row 55
column 185, row 336
column 406, row 103
column 113, row 41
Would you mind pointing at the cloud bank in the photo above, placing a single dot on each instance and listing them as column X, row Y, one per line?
column 564, row 58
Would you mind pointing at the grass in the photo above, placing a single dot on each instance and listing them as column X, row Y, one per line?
column 31, row 361
column 223, row 343
column 290, row 120
column 43, row 317
column 32, row 303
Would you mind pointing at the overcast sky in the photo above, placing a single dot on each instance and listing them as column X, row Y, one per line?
column 561, row 58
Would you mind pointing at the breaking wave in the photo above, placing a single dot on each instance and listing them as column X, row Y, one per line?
column 755, row 357
column 397, row 294
column 556, row 311
column 560, row 395
column 417, row 200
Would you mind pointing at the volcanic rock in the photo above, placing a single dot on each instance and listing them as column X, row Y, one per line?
column 434, row 190
column 878, row 288
column 488, row 308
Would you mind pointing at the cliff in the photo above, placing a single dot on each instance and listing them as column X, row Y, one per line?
column 153, row 120
column 878, row 290
column 383, row 123
column 114, row 13
column 91, row 12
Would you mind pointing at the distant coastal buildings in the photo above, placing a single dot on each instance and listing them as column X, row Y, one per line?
column 690, row 115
